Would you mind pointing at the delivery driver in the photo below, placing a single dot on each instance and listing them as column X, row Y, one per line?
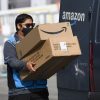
column 19, row 89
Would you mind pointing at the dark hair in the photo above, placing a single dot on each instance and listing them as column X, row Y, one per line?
column 21, row 18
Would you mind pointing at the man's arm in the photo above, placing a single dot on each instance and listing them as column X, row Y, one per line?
column 10, row 57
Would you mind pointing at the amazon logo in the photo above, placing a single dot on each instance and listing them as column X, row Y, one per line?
column 63, row 29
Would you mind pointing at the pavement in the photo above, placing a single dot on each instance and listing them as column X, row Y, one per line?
column 3, row 88
column 52, row 87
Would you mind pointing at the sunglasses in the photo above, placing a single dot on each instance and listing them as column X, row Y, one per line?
column 29, row 25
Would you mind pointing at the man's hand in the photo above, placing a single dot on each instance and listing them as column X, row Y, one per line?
column 30, row 66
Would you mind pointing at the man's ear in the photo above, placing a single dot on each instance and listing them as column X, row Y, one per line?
column 19, row 26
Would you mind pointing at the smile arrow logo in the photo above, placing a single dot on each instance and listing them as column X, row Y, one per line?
column 57, row 32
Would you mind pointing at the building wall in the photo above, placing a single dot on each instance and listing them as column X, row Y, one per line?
column 18, row 3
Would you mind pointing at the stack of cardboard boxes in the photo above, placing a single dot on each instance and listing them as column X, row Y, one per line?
column 51, row 47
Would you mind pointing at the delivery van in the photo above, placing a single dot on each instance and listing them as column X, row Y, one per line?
column 81, row 79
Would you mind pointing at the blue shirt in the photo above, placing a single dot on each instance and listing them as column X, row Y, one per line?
column 14, row 65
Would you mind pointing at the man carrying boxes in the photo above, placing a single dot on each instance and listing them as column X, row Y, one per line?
column 18, row 88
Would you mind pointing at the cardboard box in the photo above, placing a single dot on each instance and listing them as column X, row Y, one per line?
column 52, row 57
column 41, row 33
